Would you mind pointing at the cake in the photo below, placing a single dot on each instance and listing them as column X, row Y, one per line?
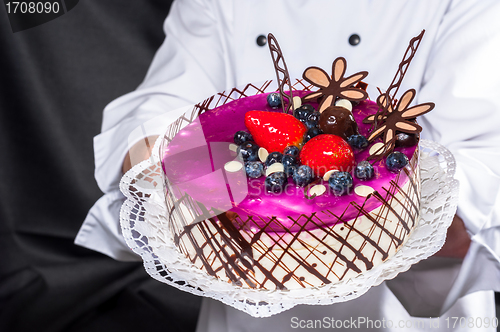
column 305, row 231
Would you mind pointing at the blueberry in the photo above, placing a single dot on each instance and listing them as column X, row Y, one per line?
column 292, row 150
column 254, row 169
column 248, row 151
column 310, row 124
column 290, row 170
column 241, row 137
column 303, row 112
column 274, row 99
column 313, row 132
column 396, row 161
column 303, row 176
column 364, row 170
column 357, row 141
column 288, row 162
column 276, row 182
column 273, row 157
column 313, row 119
column 340, row 183
column 308, row 107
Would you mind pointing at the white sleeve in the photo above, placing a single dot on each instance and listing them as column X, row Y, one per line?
column 190, row 66
column 463, row 78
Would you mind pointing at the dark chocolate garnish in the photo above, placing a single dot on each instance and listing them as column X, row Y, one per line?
column 385, row 99
column 405, row 140
column 390, row 119
column 335, row 87
column 309, row 186
column 404, row 64
column 338, row 121
column 277, row 57
column 399, row 120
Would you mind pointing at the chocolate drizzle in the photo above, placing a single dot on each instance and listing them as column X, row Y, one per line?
column 229, row 249
column 281, row 73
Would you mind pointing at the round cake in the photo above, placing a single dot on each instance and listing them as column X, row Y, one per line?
column 242, row 227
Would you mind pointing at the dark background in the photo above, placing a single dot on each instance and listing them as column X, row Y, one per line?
column 55, row 80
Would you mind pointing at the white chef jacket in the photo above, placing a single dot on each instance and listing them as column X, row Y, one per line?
column 211, row 46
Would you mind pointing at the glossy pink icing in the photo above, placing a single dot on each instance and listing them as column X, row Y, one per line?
column 194, row 164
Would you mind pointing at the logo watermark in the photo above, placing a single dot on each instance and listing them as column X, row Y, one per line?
column 477, row 323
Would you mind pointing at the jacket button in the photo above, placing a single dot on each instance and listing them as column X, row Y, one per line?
column 261, row 40
column 354, row 39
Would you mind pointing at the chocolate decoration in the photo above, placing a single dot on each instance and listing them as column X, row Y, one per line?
column 331, row 89
column 277, row 56
column 404, row 139
column 361, row 85
column 405, row 63
column 383, row 103
column 399, row 120
column 396, row 81
column 338, row 121
column 387, row 121
column 309, row 186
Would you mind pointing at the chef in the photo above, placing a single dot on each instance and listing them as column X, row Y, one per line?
column 215, row 45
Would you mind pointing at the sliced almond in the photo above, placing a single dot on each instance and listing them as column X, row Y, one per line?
column 344, row 103
column 363, row 190
column 233, row 166
column 263, row 154
column 317, row 190
column 376, row 147
column 276, row 167
column 327, row 175
column 297, row 102
column 233, row 147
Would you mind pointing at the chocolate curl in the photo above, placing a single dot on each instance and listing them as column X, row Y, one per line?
column 277, row 56
column 400, row 74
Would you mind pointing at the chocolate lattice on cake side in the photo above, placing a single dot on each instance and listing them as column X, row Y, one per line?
column 297, row 259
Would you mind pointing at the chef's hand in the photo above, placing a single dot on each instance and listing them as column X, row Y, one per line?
column 139, row 152
column 457, row 240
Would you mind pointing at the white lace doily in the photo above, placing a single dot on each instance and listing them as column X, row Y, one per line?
column 145, row 228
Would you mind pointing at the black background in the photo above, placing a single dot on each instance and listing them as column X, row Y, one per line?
column 55, row 80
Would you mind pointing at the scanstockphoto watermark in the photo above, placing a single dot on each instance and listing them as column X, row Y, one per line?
column 477, row 323
column 361, row 323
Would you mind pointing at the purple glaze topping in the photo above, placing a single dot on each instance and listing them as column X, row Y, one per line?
column 197, row 168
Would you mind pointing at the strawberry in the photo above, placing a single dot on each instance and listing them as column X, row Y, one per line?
column 274, row 131
column 325, row 152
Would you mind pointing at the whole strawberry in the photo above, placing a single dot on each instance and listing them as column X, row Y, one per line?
column 274, row 131
column 325, row 152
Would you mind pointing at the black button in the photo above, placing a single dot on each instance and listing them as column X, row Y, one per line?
column 261, row 40
column 354, row 39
